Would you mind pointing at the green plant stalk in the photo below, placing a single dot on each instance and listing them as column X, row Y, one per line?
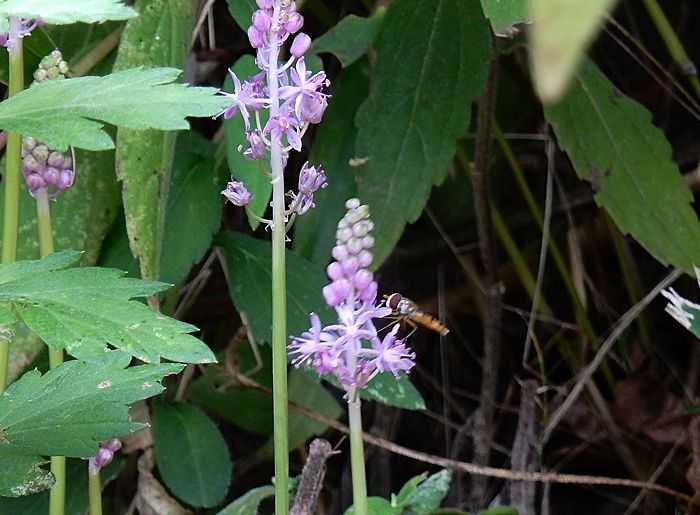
column 357, row 457
column 673, row 43
column 12, row 183
column 57, row 497
column 279, row 302
column 95, row 493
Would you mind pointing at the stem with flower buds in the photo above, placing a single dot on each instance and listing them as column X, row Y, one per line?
column 357, row 456
column 57, row 497
column 12, row 179
column 279, row 296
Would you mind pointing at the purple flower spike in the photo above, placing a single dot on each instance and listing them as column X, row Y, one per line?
column 237, row 194
column 350, row 349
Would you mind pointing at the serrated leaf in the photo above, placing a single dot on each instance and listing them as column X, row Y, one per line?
column 159, row 37
column 65, row 113
column 431, row 63
column 76, row 493
column 67, row 11
column 612, row 142
column 82, row 309
column 192, row 456
column 504, row 14
column 249, row 262
column 70, row 409
column 350, row 38
column 252, row 173
column 242, row 12
column 385, row 388
column 249, row 502
column 560, row 35
column 428, row 496
column 193, row 213
column 333, row 148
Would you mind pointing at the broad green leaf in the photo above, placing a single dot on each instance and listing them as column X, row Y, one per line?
column 242, row 12
column 428, row 496
column 76, row 493
column 249, row 502
column 249, row 263
column 66, row 112
column 385, row 388
column 431, row 63
column 193, row 213
column 504, row 14
column 23, row 475
column 73, row 408
column 500, row 510
column 252, row 173
column 377, row 506
column 82, row 309
column 191, row 454
column 116, row 252
column 612, row 142
column 350, row 38
column 560, row 35
column 333, row 148
column 159, row 37
column 67, row 11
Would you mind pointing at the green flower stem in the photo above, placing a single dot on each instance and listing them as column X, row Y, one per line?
column 57, row 498
column 673, row 43
column 95, row 492
column 12, row 182
column 357, row 457
column 279, row 302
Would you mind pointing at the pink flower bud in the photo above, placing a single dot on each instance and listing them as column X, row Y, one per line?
column 262, row 21
column 264, row 4
column 335, row 271
column 300, row 45
column 294, row 23
column 255, row 37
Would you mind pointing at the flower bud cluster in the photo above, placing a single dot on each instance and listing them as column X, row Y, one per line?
column 42, row 167
column 299, row 102
column 352, row 349
column 104, row 455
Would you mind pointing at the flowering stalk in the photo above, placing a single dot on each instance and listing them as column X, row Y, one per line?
column 104, row 457
column 352, row 350
column 13, row 42
column 294, row 100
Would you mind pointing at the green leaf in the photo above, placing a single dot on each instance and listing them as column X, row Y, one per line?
column 377, row 506
column 500, row 510
column 249, row 502
column 159, row 37
column 431, row 63
column 430, row 493
column 242, row 12
column 350, row 38
column 612, row 142
column 504, row 14
column 560, row 35
column 67, row 11
column 252, row 173
column 76, row 494
column 191, row 454
column 22, row 475
column 408, row 489
column 250, row 285
column 193, row 213
column 333, row 148
column 73, row 408
column 385, row 388
column 64, row 113
column 81, row 309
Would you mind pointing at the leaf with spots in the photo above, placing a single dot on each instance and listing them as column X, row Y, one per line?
column 67, row 411
column 431, row 63
column 83, row 309
column 158, row 37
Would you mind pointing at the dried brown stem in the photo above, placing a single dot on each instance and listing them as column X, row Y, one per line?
column 312, row 477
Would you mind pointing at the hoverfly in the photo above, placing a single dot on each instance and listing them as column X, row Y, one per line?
column 407, row 310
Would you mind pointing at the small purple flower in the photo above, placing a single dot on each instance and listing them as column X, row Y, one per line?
column 237, row 193
column 243, row 99
column 19, row 28
column 306, row 86
column 256, row 146
column 351, row 349
column 300, row 45
column 104, row 455
column 284, row 124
